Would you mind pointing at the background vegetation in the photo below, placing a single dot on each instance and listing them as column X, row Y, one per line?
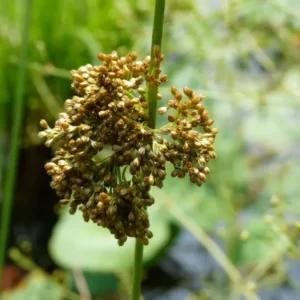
column 236, row 236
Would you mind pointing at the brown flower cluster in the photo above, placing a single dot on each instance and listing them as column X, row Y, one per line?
column 106, row 158
column 191, row 137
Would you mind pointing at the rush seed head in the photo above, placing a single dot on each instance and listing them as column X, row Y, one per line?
column 109, row 113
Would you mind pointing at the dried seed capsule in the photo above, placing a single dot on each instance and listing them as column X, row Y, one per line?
column 122, row 240
column 186, row 147
column 145, row 241
column 181, row 174
column 64, row 202
column 158, row 182
column 174, row 173
column 102, row 56
column 200, row 108
column 178, row 96
column 72, row 210
column 103, row 113
column 131, row 216
column 149, row 234
column 214, row 131
column 188, row 92
column 212, row 154
column 202, row 176
column 44, row 124
column 141, row 152
column 104, row 197
column 162, row 110
column 206, row 170
column 174, row 90
column 149, row 202
column 171, row 118
column 161, row 174
column 163, row 78
column 112, row 209
column 42, row 134
column 86, row 217
column 204, row 115
column 136, row 162
column 173, row 103
column 174, row 135
column 100, row 205
column 119, row 226
column 146, row 169
column 132, row 169
column 162, row 160
column 149, row 180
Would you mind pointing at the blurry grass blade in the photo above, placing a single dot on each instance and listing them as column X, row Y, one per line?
column 91, row 43
column 8, row 9
column 17, row 122
column 81, row 284
column 45, row 70
column 46, row 96
column 3, row 137
column 48, row 70
column 213, row 249
column 207, row 242
column 4, row 107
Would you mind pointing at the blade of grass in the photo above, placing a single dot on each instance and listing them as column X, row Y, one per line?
column 81, row 284
column 3, row 115
column 18, row 111
column 8, row 9
column 5, row 51
column 90, row 41
column 215, row 251
column 45, row 70
column 47, row 97
column 3, row 128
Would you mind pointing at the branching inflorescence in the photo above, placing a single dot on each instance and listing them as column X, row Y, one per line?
column 107, row 158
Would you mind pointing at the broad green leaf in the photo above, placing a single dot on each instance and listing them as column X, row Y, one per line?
column 76, row 244
column 199, row 203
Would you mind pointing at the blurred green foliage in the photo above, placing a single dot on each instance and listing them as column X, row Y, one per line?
column 38, row 286
column 244, row 55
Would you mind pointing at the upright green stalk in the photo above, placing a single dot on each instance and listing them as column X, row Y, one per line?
column 156, row 41
column 152, row 102
column 17, row 122
column 138, row 270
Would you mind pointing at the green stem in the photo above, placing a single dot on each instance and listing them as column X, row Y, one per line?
column 17, row 125
column 156, row 41
column 138, row 270
column 152, row 102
